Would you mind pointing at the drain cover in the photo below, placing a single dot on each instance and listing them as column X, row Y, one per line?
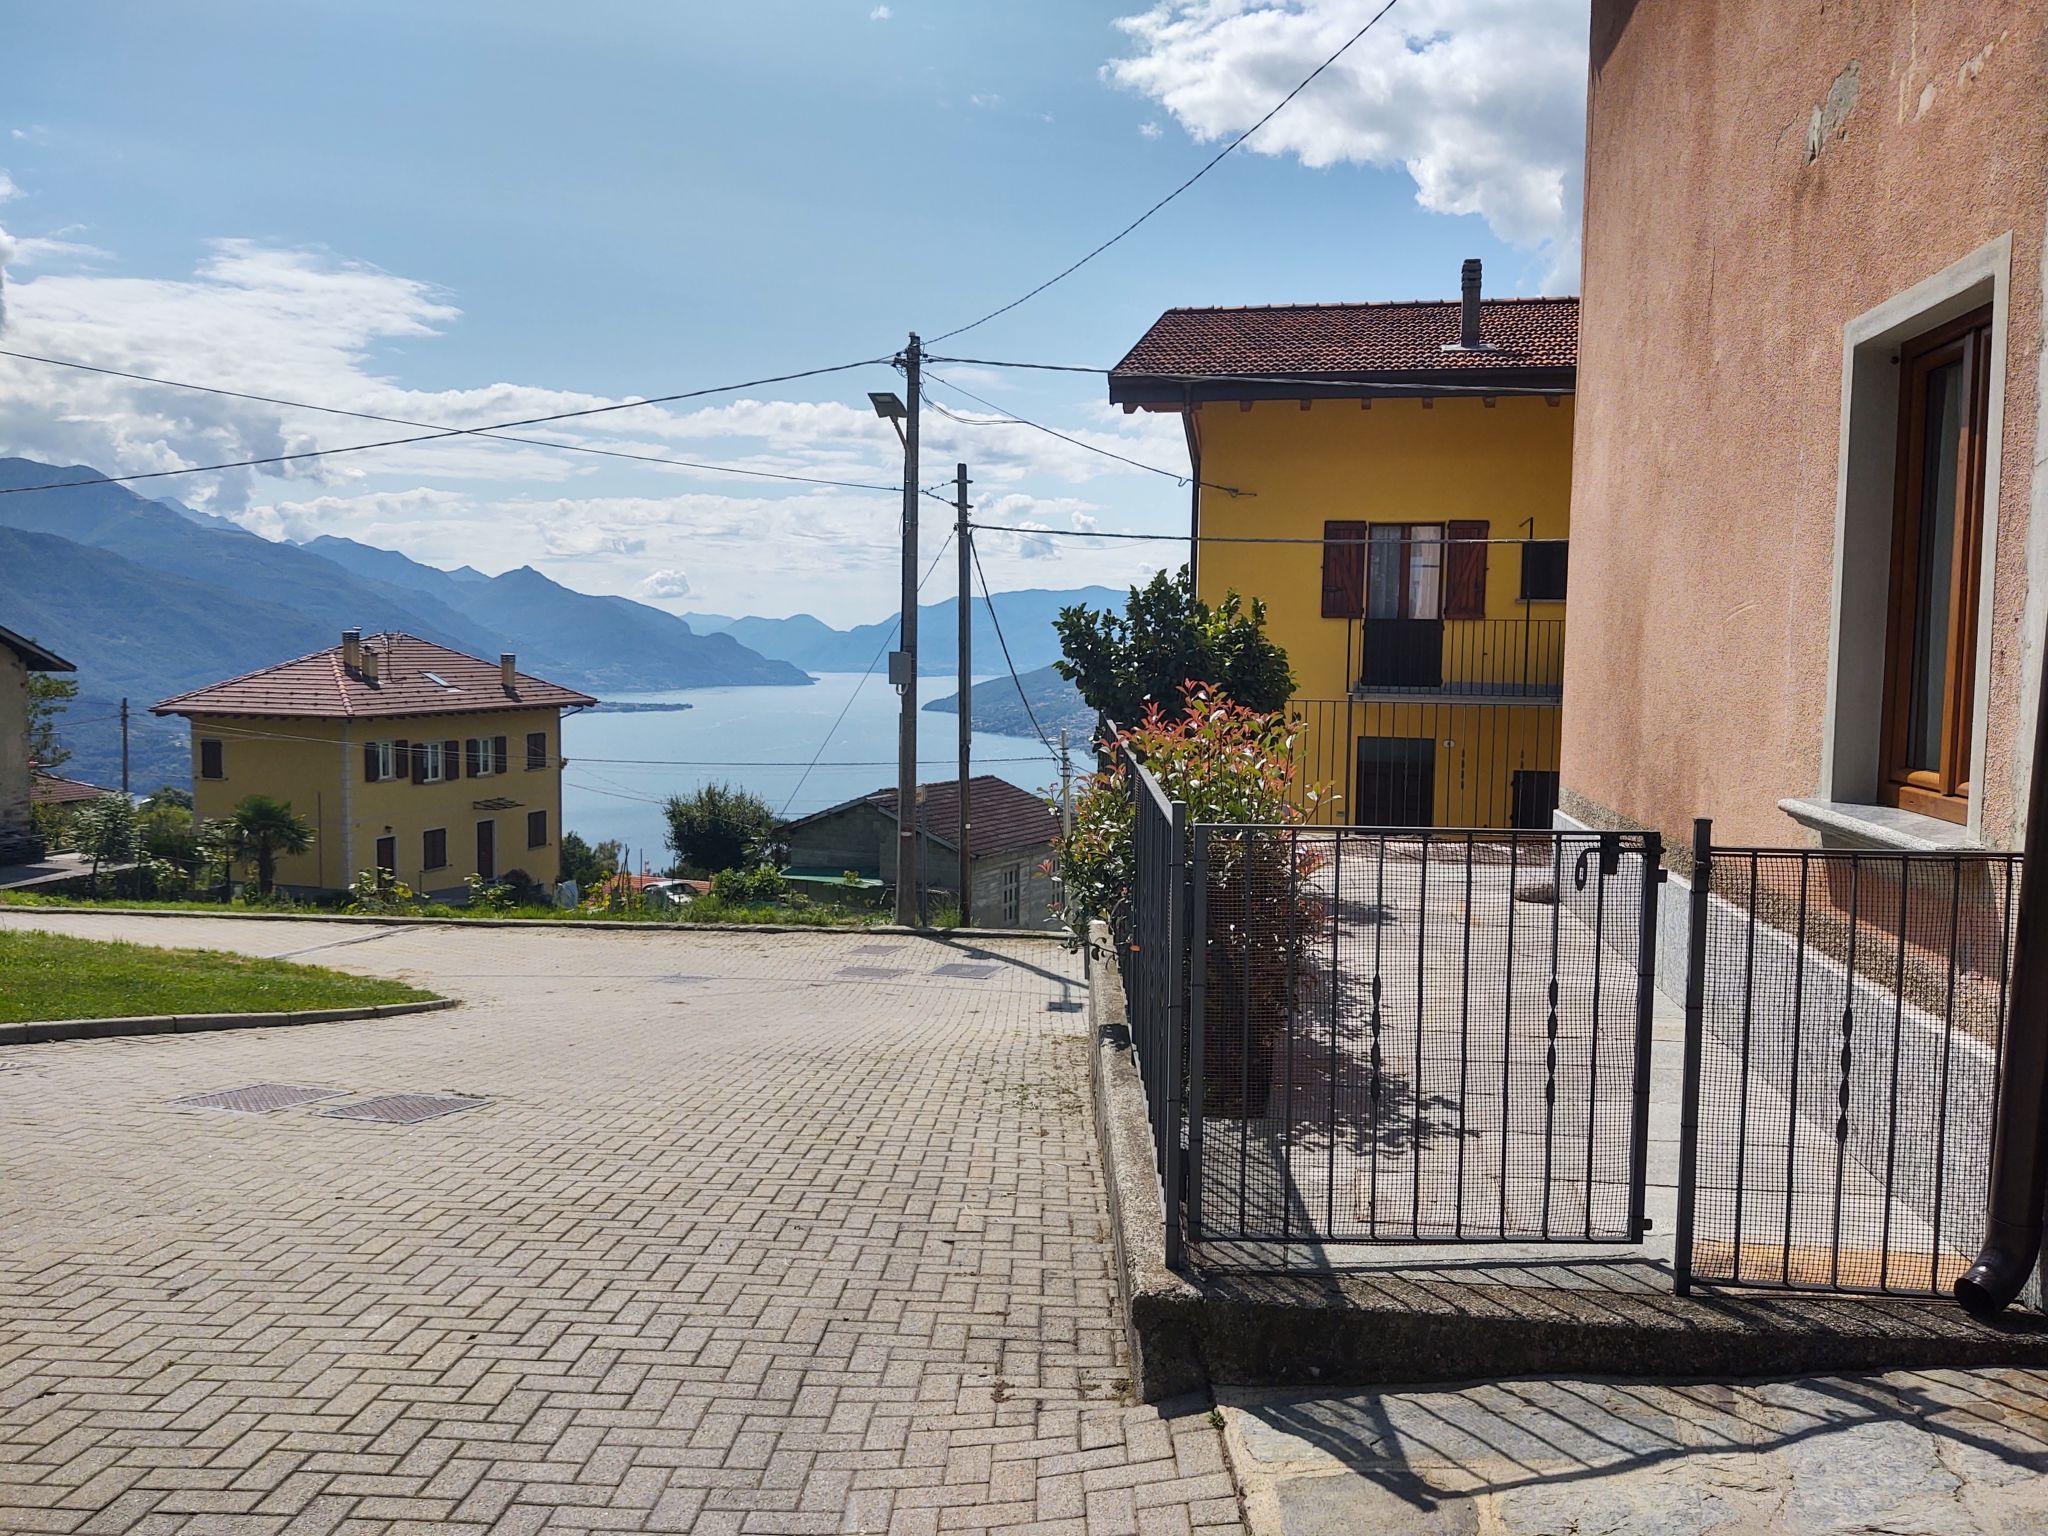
column 258, row 1099
column 967, row 972
column 871, row 972
column 874, row 949
column 404, row 1108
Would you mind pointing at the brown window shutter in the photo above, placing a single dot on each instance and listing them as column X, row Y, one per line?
column 418, row 754
column 499, row 753
column 451, row 759
column 369, row 762
column 1344, row 570
column 472, row 759
column 1465, row 576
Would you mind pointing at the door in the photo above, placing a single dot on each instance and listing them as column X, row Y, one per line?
column 487, row 850
column 1404, row 629
column 1396, row 782
column 1535, row 797
column 387, row 855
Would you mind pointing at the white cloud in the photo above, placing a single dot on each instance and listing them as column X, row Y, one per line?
column 986, row 100
column 664, row 583
column 880, row 13
column 9, row 189
column 1482, row 102
column 1149, row 130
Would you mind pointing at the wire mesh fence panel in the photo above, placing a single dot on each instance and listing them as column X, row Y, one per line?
column 1418, row 1035
column 1845, row 1016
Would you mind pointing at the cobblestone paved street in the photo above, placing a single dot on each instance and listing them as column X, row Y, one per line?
column 755, row 1233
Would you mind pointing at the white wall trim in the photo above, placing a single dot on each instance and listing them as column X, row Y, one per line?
column 1864, row 484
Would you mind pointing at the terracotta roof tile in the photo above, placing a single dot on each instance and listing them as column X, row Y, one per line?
column 1006, row 819
column 1355, row 339
column 50, row 789
column 414, row 677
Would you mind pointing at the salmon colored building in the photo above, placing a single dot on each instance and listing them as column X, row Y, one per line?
column 403, row 755
column 1394, row 481
column 1810, row 547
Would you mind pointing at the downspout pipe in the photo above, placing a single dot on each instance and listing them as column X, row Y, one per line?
column 2018, row 1189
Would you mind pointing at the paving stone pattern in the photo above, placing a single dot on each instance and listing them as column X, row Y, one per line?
column 739, row 1243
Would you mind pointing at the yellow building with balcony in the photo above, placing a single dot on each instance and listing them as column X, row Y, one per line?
column 402, row 755
column 1394, row 480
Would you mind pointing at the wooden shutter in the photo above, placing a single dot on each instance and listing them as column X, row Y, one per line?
column 499, row 754
column 1465, row 573
column 472, row 757
column 370, row 762
column 1344, row 570
column 451, row 759
column 210, row 766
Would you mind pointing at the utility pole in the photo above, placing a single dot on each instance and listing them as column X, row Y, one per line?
column 962, row 535
column 1066, row 788
column 124, row 747
column 903, row 665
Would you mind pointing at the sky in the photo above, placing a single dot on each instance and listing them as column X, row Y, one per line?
column 469, row 213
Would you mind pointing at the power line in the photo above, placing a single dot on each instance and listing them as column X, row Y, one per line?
column 1023, row 698
column 1213, row 162
column 840, row 719
column 1226, row 538
column 1009, row 419
column 1305, row 381
column 436, row 436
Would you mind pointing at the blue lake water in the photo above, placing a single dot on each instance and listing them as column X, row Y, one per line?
column 621, row 766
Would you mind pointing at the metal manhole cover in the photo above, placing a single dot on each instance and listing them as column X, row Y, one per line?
column 967, row 972
column 258, row 1098
column 871, row 972
column 404, row 1108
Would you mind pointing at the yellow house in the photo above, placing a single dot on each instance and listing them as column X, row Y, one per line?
column 403, row 755
column 1394, row 480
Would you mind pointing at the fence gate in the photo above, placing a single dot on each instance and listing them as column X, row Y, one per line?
column 1418, row 1035
column 1844, row 1017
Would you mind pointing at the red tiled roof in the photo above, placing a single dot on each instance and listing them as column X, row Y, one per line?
column 414, row 677
column 1006, row 819
column 1354, row 340
column 49, row 789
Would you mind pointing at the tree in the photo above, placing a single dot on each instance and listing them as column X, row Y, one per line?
column 166, row 829
column 47, row 698
column 718, row 827
column 589, row 866
column 264, row 829
column 1165, row 639
column 103, row 829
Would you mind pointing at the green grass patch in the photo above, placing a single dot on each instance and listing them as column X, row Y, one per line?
column 705, row 909
column 56, row 976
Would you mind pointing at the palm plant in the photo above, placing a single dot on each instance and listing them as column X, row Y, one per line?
column 263, row 830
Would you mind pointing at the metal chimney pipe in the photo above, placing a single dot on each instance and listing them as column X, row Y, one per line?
column 1468, row 319
column 2019, row 1134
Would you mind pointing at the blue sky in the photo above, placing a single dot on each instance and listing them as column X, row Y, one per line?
column 469, row 212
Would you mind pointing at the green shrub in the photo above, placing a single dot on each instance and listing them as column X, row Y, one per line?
column 763, row 885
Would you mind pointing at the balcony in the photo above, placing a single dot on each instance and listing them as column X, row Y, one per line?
column 1476, row 660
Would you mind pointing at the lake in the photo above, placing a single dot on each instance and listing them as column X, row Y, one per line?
column 621, row 766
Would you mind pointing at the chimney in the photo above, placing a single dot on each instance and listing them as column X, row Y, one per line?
column 507, row 673
column 369, row 665
column 352, row 651
column 1468, row 321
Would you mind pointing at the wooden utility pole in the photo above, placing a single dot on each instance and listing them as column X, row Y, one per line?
column 963, row 536
column 124, row 746
column 903, row 665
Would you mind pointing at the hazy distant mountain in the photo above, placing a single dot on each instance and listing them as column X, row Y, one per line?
column 1000, row 706
column 607, row 643
column 150, row 598
column 1026, row 623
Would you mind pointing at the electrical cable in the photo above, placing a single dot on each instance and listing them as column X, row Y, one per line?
column 1022, row 697
column 1213, row 162
column 1226, row 538
column 1306, row 381
column 427, row 437
column 1010, row 419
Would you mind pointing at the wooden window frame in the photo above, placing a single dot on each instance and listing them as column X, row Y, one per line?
column 1943, row 792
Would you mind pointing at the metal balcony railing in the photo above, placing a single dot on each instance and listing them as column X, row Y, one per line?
column 1470, row 658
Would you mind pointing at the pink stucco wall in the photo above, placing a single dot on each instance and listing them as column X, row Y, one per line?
column 1721, row 263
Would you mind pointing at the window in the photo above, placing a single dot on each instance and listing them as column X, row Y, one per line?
column 1404, row 571
column 387, row 855
column 1012, row 894
column 1396, row 784
column 483, row 756
column 1543, row 570
column 536, row 829
column 427, row 760
column 1937, row 540
column 434, row 849
column 379, row 761
column 211, row 765
column 487, row 850
column 536, row 750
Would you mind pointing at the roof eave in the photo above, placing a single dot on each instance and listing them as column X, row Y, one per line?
column 1137, row 388
column 35, row 657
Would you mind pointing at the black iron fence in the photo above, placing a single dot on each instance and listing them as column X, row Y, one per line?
column 1418, row 1036
column 1479, row 658
column 1844, row 1017
column 1151, row 946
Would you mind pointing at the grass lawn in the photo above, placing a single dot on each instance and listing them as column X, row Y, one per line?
column 706, row 909
column 54, row 976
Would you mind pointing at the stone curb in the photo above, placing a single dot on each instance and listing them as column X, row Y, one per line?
column 1161, row 1311
column 600, row 925
column 36, row 1032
